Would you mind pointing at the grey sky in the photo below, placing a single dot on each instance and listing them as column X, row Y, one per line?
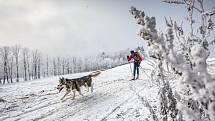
column 78, row 27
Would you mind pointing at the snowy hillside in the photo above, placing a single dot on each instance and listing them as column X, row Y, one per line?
column 114, row 98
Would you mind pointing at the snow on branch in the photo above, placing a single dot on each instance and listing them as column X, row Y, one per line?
column 189, row 62
column 174, row 1
column 209, row 13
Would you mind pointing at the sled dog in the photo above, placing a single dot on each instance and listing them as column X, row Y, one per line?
column 76, row 83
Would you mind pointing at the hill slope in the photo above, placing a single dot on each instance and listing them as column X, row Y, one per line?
column 114, row 98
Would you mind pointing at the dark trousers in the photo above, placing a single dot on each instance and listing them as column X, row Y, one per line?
column 136, row 68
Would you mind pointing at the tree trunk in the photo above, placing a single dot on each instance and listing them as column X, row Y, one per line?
column 11, row 72
column 25, row 67
column 17, row 70
column 4, row 72
column 58, row 66
column 16, row 50
column 32, row 72
column 29, row 73
column 68, row 65
column 34, row 69
column 38, row 69
column 63, row 66
column 47, row 66
column 54, row 64
column 7, row 75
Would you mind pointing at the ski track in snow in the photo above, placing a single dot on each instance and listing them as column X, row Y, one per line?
column 114, row 98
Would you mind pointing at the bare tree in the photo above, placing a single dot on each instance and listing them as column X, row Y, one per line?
column 71, row 65
column 28, row 65
column 54, row 68
column 5, row 54
column 10, row 68
column 25, row 63
column 47, row 66
column 74, row 63
column 16, row 51
column 32, row 65
column 35, row 66
column 68, row 66
column 63, row 66
column 58, row 66
column 39, row 66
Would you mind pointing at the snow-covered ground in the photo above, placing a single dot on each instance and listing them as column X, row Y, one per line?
column 114, row 98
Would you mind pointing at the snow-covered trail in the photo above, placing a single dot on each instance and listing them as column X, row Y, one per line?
column 113, row 98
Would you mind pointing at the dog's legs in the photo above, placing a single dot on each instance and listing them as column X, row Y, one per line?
column 87, row 88
column 91, row 88
column 67, row 92
column 79, row 90
column 89, row 85
column 80, row 93
column 73, row 94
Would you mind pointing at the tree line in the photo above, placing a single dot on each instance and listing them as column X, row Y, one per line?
column 22, row 64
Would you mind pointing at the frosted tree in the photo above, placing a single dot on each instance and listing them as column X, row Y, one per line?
column 74, row 64
column 10, row 67
column 63, row 65
column 28, row 63
column 17, row 62
column 39, row 66
column 25, row 62
column 35, row 59
column 54, row 67
column 16, row 51
column 187, row 55
column 68, row 66
column 59, row 66
column 47, row 65
column 4, row 54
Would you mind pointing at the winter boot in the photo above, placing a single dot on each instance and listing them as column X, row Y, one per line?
column 133, row 78
column 137, row 77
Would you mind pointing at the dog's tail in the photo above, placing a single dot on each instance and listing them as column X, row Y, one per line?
column 94, row 74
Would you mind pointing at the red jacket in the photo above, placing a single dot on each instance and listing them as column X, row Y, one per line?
column 137, row 58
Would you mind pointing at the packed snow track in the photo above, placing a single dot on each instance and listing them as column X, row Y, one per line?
column 114, row 98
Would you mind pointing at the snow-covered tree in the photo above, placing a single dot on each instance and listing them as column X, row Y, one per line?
column 4, row 54
column 16, row 52
column 187, row 54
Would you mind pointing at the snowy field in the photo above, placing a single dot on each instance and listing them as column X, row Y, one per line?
column 114, row 98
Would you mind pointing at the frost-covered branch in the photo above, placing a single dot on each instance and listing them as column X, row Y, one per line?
column 174, row 1
column 188, row 61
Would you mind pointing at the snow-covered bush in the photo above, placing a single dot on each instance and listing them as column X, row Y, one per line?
column 187, row 55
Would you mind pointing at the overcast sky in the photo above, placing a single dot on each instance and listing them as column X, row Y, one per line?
column 78, row 27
